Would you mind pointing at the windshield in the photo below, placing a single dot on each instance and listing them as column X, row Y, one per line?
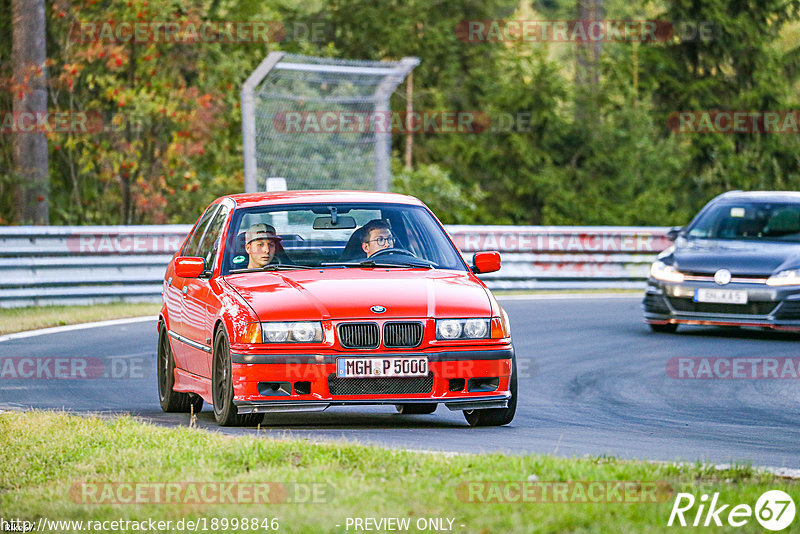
column 337, row 236
column 750, row 221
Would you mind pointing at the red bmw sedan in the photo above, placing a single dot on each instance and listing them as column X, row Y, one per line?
column 302, row 300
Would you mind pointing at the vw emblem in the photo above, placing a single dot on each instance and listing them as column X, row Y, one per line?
column 378, row 309
column 722, row 277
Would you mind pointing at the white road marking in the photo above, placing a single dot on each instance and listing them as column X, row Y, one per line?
column 71, row 327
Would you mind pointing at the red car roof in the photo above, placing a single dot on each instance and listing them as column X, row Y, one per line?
column 245, row 200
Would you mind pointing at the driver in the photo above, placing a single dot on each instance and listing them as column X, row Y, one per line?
column 377, row 236
column 261, row 241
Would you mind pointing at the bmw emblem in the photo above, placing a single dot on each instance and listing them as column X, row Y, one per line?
column 378, row 309
column 722, row 277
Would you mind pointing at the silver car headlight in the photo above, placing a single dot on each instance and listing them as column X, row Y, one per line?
column 789, row 277
column 297, row 332
column 666, row 273
column 476, row 328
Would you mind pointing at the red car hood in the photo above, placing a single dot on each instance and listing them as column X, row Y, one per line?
column 350, row 293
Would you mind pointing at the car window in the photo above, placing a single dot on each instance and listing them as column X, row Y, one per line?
column 418, row 237
column 209, row 244
column 193, row 242
column 750, row 221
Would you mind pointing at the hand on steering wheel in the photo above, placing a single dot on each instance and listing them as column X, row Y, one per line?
column 393, row 250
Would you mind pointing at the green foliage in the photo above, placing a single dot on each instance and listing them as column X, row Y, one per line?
column 624, row 172
column 738, row 67
column 171, row 138
column 451, row 201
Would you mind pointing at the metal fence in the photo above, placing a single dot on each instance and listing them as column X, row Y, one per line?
column 313, row 120
column 41, row 265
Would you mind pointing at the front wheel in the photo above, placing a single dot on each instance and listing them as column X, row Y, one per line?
column 496, row 416
column 222, row 387
column 171, row 400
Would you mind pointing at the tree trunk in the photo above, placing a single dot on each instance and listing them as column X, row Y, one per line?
column 587, row 61
column 28, row 56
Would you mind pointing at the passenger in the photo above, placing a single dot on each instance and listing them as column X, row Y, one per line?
column 261, row 242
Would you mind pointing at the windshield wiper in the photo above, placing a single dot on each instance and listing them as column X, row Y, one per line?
column 275, row 267
column 373, row 263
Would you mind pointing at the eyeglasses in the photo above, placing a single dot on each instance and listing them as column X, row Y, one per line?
column 381, row 240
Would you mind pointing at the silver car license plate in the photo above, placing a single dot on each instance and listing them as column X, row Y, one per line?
column 721, row 296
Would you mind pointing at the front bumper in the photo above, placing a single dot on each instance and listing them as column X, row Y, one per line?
column 770, row 307
column 459, row 379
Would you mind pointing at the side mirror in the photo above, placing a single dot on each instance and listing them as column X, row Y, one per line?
column 674, row 232
column 189, row 267
column 486, row 262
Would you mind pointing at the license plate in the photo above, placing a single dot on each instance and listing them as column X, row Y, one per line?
column 381, row 367
column 720, row 296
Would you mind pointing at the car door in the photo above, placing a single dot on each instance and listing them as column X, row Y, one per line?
column 199, row 302
column 177, row 289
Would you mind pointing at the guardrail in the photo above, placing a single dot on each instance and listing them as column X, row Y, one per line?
column 41, row 265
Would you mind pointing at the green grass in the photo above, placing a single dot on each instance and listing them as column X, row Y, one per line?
column 44, row 454
column 31, row 318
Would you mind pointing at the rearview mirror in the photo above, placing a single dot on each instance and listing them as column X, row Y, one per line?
column 342, row 222
column 486, row 262
column 189, row 267
column 674, row 232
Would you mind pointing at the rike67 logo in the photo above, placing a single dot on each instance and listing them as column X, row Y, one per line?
column 774, row 510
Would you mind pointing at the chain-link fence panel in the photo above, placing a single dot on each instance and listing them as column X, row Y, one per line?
column 320, row 123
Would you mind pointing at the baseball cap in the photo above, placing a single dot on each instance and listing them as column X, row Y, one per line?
column 260, row 231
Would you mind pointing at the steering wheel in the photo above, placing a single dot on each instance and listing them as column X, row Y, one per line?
column 393, row 250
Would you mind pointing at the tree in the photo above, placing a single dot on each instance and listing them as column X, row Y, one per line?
column 30, row 149
column 587, row 58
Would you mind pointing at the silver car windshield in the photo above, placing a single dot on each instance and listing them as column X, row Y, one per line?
column 750, row 221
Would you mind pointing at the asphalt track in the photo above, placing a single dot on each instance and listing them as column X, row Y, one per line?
column 593, row 380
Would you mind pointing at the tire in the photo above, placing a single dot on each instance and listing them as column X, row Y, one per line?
column 171, row 400
column 496, row 416
column 416, row 408
column 668, row 328
column 222, row 387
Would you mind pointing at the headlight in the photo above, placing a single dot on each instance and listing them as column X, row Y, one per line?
column 476, row 328
column 300, row 332
column 666, row 273
column 462, row 329
column 789, row 277
column 449, row 329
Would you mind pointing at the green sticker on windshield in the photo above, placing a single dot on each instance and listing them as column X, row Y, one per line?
column 238, row 259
